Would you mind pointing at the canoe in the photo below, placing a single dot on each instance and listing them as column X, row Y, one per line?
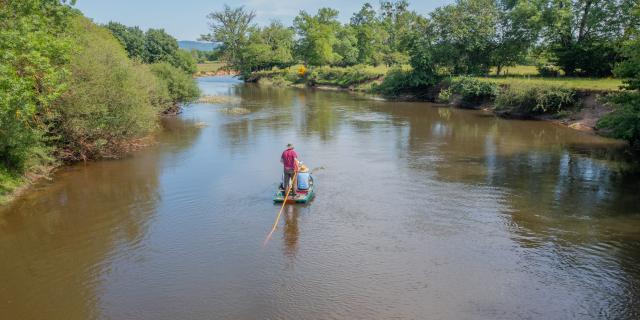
column 300, row 197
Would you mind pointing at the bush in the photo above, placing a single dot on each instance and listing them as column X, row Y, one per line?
column 401, row 80
column 345, row 77
column 182, row 88
column 288, row 75
column 624, row 121
column 185, row 61
column 33, row 58
column 445, row 95
column 111, row 100
column 528, row 100
column 472, row 90
column 548, row 70
column 396, row 82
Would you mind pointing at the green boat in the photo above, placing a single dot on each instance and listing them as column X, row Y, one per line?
column 301, row 196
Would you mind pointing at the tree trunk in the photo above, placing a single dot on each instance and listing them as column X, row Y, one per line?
column 583, row 20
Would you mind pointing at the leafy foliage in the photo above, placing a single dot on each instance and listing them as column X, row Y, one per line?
column 472, row 91
column 630, row 67
column 181, row 87
column 230, row 27
column 528, row 100
column 584, row 36
column 547, row 70
column 624, row 121
column 465, row 31
column 132, row 38
column 34, row 52
column 154, row 45
column 69, row 90
column 317, row 36
column 110, row 100
column 369, row 35
column 345, row 77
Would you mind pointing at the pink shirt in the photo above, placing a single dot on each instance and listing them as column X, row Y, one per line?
column 288, row 159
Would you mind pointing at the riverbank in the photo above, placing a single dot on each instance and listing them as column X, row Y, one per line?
column 575, row 103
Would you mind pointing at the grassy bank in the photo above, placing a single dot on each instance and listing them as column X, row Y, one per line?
column 593, row 84
column 575, row 101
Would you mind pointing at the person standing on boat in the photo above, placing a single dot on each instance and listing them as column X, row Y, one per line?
column 289, row 159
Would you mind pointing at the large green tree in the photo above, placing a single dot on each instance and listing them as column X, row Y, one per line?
column 400, row 25
column 346, row 46
column 518, row 28
column 317, row 36
column 281, row 42
column 230, row 28
column 585, row 35
column 132, row 38
column 465, row 33
column 370, row 35
column 160, row 46
column 153, row 46
column 266, row 48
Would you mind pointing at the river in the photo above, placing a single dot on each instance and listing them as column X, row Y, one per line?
column 422, row 212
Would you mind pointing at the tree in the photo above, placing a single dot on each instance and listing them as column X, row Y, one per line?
column 425, row 68
column 132, row 38
column 152, row 46
column 465, row 34
column 317, row 36
column 280, row 41
column 369, row 34
column 346, row 47
column 160, row 46
column 629, row 69
column 266, row 48
column 518, row 28
column 400, row 24
column 585, row 35
column 184, row 61
column 230, row 28
column 110, row 99
column 181, row 87
column 34, row 54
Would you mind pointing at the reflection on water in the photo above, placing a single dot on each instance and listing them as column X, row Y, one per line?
column 422, row 211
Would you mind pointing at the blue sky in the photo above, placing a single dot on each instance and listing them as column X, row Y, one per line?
column 186, row 19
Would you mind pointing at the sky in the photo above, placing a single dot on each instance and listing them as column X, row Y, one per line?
column 186, row 19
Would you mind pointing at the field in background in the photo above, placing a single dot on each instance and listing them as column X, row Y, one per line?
column 211, row 66
column 516, row 71
column 600, row 84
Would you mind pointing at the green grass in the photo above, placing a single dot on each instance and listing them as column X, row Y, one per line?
column 211, row 66
column 604, row 84
column 516, row 71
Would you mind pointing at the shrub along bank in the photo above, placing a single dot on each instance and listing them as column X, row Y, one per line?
column 356, row 77
column 69, row 91
column 517, row 100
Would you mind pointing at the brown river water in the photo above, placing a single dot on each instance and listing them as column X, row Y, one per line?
column 422, row 212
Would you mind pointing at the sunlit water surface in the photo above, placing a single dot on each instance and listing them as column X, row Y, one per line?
column 422, row 212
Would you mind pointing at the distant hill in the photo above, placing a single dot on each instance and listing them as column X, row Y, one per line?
column 202, row 46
